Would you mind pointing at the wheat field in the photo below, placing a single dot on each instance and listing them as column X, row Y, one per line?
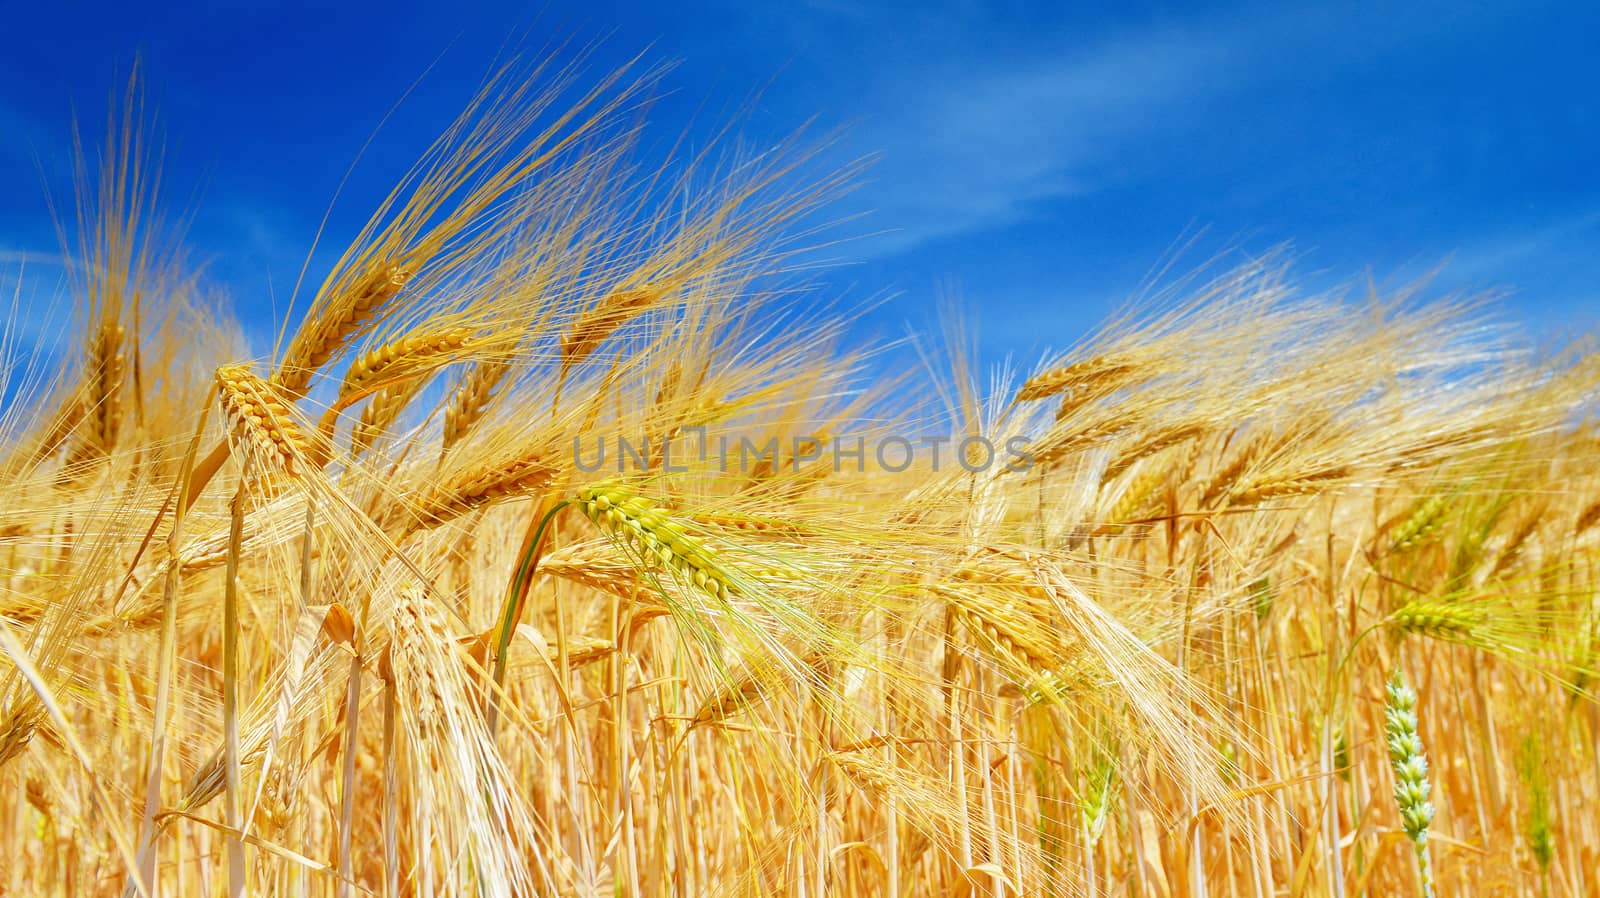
column 1252, row 591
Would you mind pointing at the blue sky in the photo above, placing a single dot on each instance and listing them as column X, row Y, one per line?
column 1037, row 161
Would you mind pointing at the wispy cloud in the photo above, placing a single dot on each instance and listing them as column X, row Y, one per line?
column 983, row 148
column 1493, row 255
column 33, row 291
column 1550, row 270
column 972, row 138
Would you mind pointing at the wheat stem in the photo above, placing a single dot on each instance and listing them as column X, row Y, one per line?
column 230, row 699
column 516, row 597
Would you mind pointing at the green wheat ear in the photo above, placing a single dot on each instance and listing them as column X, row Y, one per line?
column 1410, row 763
column 1341, row 753
column 1441, row 620
column 1096, row 808
column 1228, row 762
column 1422, row 524
column 1261, row 594
column 1530, row 763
